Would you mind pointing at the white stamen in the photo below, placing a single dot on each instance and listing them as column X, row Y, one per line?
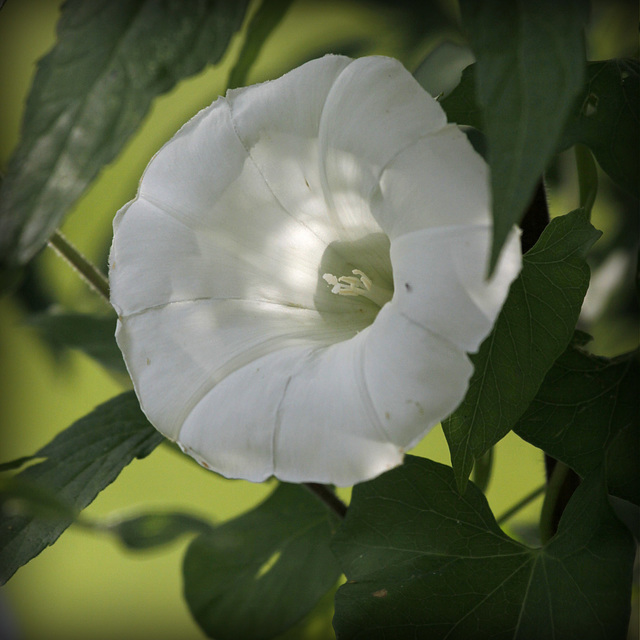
column 361, row 285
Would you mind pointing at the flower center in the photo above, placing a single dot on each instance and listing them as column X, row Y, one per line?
column 359, row 284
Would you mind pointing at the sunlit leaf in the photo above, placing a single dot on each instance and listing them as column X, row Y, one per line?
column 90, row 94
column 257, row 575
column 266, row 18
column 94, row 335
column 79, row 463
column 424, row 562
column 532, row 330
column 587, row 408
column 530, row 67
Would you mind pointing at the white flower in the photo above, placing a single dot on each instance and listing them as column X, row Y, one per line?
column 301, row 275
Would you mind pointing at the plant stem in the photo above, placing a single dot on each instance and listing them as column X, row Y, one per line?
column 328, row 497
column 89, row 272
column 587, row 177
column 482, row 470
column 528, row 499
column 561, row 484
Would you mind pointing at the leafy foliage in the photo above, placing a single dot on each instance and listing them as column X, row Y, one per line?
column 91, row 93
column 79, row 463
column 92, row 334
column 587, row 410
column 257, row 575
column 409, row 539
column 530, row 66
column 532, row 330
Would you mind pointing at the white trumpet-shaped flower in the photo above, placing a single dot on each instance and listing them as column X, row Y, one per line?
column 301, row 274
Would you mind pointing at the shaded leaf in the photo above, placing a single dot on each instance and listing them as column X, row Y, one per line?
column 266, row 18
column 424, row 562
column 150, row 530
column 80, row 462
column 532, row 330
column 586, row 408
column 605, row 117
column 94, row 335
column 91, row 93
column 530, row 67
column 257, row 575
column 440, row 72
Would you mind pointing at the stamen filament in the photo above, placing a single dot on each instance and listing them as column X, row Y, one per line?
column 361, row 285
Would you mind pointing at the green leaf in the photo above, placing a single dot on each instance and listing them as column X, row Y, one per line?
column 91, row 93
column 256, row 576
column 532, row 330
column 80, row 462
column 530, row 67
column 151, row 530
column 461, row 105
column 605, row 118
column 588, row 408
column 266, row 18
column 94, row 335
column 424, row 562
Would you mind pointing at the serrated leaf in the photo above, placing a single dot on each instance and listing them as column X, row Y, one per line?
column 91, row 93
column 256, row 576
column 605, row 118
column 266, row 18
column 588, row 408
column 94, row 335
column 532, row 330
column 530, row 67
column 424, row 562
column 80, row 462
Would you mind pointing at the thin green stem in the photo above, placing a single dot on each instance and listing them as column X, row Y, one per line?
column 328, row 497
column 88, row 271
column 482, row 469
column 587, row 177
column 528, row 499
column 548, row 516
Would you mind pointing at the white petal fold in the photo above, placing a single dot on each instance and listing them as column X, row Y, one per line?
column 341, row 171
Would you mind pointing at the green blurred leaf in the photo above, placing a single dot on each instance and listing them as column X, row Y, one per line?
column 12, row 465
column 586, row 408
column 91, row 93
column 94, row 335
column 424, row 562
column 266, row 18
column 532, row 330
column 461, row 105
column 80, row 462
column 530, row 67
column 605, row 118
column 257, row 575
column 151, row 530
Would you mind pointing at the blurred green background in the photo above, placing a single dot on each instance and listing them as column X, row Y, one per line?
column 86, row 586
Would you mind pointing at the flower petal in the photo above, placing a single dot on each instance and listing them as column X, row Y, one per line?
column 176, row 353
column 438, row 180
column 374, row 110
column 439, row 281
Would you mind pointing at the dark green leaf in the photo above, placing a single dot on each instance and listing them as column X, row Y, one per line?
column 530, row 67
column 80, row 462
column 267, row 17
column 605, row 118
column 424, row 562
column 256, row 576
column 461, row 105
column 532, row 330
column 94, row 335
column 16, row 464
column 156, row 529
column 91, row 93
column 587, row 407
